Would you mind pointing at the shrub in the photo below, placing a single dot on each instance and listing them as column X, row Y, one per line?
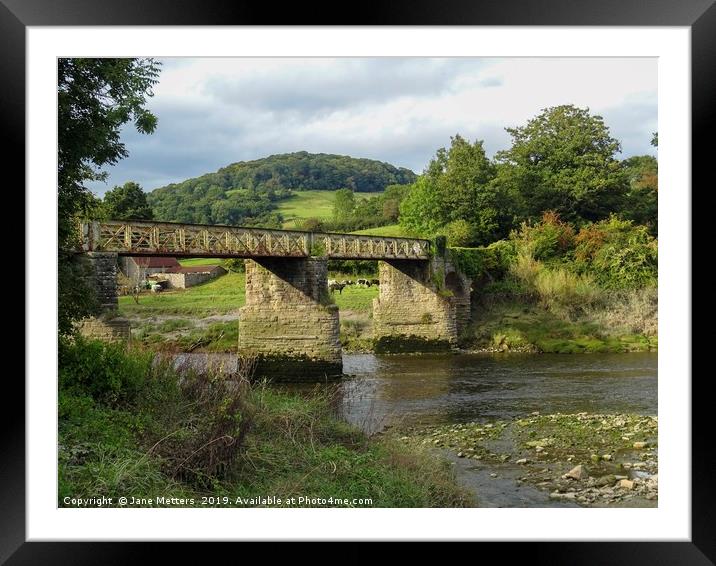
column 551, row 238
column 458, row 233
column 617, row 254
column 102, row 370
column 235, row 265
column 492, row 261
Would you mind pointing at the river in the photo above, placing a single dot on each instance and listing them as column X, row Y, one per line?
column 432, row 389
column 383, row 391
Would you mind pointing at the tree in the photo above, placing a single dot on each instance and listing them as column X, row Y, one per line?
column 128, row 202
column 641, row 204
column 344, row 204
column 564, row 160
column 458, row 187
column 95, row 98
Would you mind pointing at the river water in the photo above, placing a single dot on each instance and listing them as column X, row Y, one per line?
column 458, row 388
column 433, row 389
column 383, row 391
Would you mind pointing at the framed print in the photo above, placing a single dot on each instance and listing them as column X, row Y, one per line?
column 394, row 278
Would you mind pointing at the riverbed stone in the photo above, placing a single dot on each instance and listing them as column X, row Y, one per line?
column 577, row 473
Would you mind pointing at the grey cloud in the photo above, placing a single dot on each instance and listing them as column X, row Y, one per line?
column 267, row 115
column 307, row 90
column 633, row 124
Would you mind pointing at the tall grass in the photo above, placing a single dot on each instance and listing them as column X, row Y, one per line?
column 556, row 288
column 186, row 434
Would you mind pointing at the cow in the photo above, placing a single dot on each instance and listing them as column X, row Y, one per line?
column 364, row 282
column 336, row 286
column 375, row 282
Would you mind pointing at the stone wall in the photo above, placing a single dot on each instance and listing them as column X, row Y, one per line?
column 421, row 305
column 288, row 322
column 461, row 288
column 109, row 330
column 102, row 277
column 186, row 280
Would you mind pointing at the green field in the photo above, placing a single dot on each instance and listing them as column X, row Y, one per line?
column 189, row 262
column 219, row 296
column 223, row 295
column 392, row 230
column 310, row 204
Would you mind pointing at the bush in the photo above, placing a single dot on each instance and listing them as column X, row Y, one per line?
column 551, row 238
column 235, row 265
column 617, row 254
column 458, row 233
column 492, row 261
column 101, row 370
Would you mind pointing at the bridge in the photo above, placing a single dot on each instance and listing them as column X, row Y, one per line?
column 200, row 240
column 423, row 300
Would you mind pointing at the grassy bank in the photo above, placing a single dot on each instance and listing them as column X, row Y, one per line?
column 525, row 326
column 130, row 428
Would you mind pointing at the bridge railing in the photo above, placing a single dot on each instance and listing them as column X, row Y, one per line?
column 198, row 240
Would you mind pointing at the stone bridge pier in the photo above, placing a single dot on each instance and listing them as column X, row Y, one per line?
column 289, row 322
column 421, row 305
column 101, row 275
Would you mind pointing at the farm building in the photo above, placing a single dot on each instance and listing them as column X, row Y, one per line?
column 183, row 277
column 139, row 268
column 168, row 269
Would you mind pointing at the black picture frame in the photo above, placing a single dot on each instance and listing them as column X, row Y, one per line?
column 699, row 15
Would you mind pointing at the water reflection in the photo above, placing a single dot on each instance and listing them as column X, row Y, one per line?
column 430, row 389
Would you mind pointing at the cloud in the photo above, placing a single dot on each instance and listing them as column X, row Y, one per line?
column 216, row 111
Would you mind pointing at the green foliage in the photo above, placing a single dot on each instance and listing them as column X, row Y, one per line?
column 344, row 203
column 492, row 261
column 77, row 298
column 312, row 225
column 458, row 233
column 95, row 98
column 617, row 254
column 421, row 211
column 563, row 160
column 102, row 370
column 642, row 199
column 559, row 288
column 458, row 187
column 128, row 202
column 235, row 265
column 551, row 238
column 249, row 192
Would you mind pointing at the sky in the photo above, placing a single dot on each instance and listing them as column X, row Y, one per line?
column 216, row 111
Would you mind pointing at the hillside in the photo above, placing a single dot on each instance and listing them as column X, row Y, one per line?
column 310, row 204
column 248, row 192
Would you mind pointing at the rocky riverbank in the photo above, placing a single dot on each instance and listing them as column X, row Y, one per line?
column 591, row 460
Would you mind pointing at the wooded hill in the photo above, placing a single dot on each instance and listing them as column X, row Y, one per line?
column 247, row 191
